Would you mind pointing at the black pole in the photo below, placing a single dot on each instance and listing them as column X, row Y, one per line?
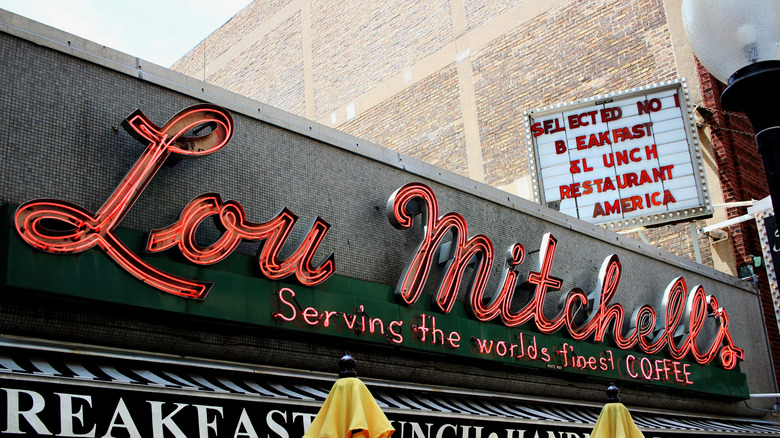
column 755, row 90
column 768, row 142
column 613, row 393
column 347, row 365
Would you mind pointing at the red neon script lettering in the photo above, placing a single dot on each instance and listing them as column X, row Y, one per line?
column 233, row 221
column 584, row 315
column 416, row 198
column 60, row 227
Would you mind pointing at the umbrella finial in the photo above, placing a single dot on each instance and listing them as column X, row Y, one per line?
column 613, row 393
column 347, row 366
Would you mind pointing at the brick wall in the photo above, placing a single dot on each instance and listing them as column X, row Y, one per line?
column 248, row 74
column 247, row 20
column 362, row 45
column 740, row 168
column 574, row 51
column 479, row 12
column 678, row 240
column 422, row 122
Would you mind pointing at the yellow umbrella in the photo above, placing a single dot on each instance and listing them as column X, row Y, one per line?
column 350, row 410
column 615, row 421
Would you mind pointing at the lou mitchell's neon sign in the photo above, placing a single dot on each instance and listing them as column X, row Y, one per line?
column 60, row 227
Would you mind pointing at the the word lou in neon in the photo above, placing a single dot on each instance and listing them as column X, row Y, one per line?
column 59, row 227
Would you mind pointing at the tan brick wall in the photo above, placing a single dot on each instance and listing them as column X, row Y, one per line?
column 260, row 77
column 359, row 46
column 578, row 50
column 226, row 36
column 423, row 122
column 677, row 239
column 479, row 12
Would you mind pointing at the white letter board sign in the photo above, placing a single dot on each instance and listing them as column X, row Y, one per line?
column 623, row 160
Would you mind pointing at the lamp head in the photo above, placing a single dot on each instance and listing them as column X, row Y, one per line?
column 729, row 35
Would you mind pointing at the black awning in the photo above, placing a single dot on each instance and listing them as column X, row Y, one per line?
column 54, row 389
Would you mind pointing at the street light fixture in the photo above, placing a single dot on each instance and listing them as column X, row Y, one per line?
column 738, row 42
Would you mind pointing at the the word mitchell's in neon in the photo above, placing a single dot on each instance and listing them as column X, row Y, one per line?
column 584, row 315
column 60, row 227
column 400, row 212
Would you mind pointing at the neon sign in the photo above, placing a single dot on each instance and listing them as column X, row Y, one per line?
column 60, row 227
column 678, row 313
